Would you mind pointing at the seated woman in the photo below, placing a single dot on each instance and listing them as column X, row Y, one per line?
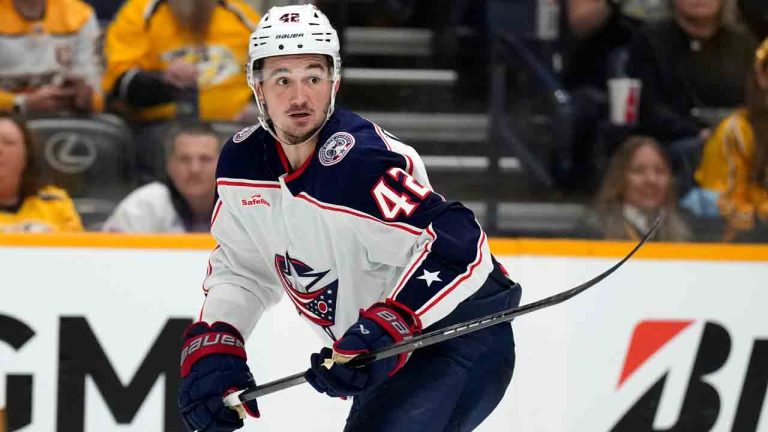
column 25, row 206
column 637, row 188
column 733, row 172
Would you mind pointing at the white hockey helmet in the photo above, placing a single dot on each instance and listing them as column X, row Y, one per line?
column 288, row 30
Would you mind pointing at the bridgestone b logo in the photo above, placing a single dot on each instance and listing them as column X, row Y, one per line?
column 209, row 340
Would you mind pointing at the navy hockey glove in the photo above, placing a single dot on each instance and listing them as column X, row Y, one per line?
column 212, row 366
column 380, row 326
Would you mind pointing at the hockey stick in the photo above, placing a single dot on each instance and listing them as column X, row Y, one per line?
column 440, row 335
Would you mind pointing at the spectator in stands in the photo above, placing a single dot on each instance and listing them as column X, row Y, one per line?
column 48, row 57
column 638, row 187
column 181, row 58
column 105, row 9
column 183, row 202
column 646, row 10
column 26, row 205
column 733, row 172
column 691, row 61
column 596, row 41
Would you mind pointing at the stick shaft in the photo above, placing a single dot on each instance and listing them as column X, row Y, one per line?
column 453, row 331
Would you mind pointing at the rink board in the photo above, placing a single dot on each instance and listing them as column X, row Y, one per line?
column 79, row 315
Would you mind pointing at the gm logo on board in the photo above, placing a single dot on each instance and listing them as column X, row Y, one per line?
column 692, row 380
column 70, row 152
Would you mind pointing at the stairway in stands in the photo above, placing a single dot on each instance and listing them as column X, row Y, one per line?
column 391, row 76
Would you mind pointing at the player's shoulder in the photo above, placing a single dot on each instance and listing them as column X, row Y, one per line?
column 359, row 143
column 241, row 150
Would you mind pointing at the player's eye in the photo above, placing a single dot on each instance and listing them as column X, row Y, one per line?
column 314, row 80
column 282, row 81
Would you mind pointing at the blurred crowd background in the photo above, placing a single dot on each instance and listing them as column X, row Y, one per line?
column 548, row 118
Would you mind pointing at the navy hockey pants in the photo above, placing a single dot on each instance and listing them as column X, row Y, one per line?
column 450, row 386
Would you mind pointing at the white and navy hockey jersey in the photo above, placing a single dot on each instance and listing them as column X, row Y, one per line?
column 356, row 224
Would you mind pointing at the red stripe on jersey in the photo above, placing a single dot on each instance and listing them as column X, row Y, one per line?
column 243, row 183
column 380, row 133
column 283, row 157
column 458, row 281
column 383, row 136
column 294, row 175
column 408, row 164
column 210, row 268
column 408, row 273
column 407, row 228
column 216, row 212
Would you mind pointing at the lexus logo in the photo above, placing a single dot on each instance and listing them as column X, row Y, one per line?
column 69, row 152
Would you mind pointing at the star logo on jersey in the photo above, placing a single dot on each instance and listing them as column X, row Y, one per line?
column 313, row 292
column 430, row 277
column 334, row 150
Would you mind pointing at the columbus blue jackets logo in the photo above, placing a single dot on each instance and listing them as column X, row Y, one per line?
column 312, row 291
column 244, row 133
column 337, row 146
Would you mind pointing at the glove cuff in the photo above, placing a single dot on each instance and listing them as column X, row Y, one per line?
column 398, row 321
column 202, row 340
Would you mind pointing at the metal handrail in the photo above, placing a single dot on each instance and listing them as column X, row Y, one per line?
column 507, row 47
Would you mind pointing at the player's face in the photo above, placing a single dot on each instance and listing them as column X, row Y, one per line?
column 192, row 165
column 296, row 90
column 12, row 154
column 647, row 179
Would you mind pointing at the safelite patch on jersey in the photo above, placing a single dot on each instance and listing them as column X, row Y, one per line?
column 334, row 150
column 244, row 133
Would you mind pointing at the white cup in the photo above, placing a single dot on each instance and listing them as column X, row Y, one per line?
column 624, row 96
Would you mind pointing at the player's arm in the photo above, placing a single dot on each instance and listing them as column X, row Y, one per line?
column 452, row 259
column 239, row 287
column 451, row 262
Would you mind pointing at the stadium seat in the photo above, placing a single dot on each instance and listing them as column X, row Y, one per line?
column 91, row 157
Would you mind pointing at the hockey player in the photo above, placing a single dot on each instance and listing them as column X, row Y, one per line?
column 325, row 206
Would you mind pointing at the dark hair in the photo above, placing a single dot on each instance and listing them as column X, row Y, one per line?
column 188, row 128
column 615, row 182
column 30, row 176
column 756, row 102
column 610, row 200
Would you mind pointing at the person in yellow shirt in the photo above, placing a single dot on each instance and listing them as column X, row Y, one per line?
column 177, row 58
column 25, row 206
column 48, row 57
column 733, row 171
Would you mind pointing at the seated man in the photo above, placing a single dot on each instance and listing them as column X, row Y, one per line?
column 48, row 60
column 184, row 201
column 180, row 58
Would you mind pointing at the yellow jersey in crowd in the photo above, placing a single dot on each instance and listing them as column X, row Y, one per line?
column 145, row 36
column 34, row 53
column 50, row 210
column 726, row 167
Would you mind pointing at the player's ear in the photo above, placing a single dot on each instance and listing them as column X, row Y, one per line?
column 260, row 94
column 336, row 87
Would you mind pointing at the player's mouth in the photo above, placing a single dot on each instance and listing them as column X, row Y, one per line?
column 299, row 114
